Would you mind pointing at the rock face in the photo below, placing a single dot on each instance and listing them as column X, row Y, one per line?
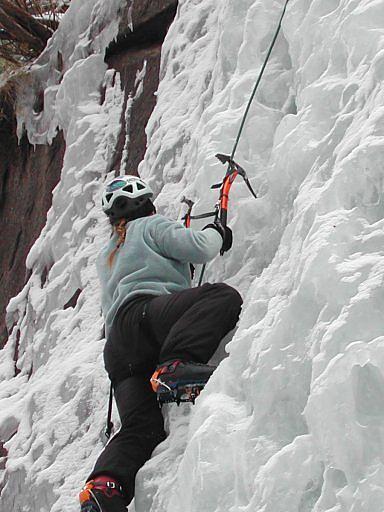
column 28, row 175
column 133, row 51
column 27, row 178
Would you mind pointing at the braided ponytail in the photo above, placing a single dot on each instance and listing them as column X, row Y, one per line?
column 121, row 229
column 120, row 226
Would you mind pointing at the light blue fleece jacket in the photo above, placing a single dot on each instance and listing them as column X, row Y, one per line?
column 154, row 259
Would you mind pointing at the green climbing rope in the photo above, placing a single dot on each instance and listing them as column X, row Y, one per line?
column 259, row 80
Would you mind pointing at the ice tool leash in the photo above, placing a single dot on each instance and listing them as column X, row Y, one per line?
column 233, row 171
column 221, row 207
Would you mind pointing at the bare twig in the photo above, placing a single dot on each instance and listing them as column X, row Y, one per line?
column 26, row 26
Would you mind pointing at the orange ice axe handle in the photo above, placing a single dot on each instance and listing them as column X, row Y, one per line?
column 224, row 197
column 188, row 215
column 233, row 171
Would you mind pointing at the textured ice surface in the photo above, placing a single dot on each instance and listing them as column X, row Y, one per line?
column 292, row 420
column 84, row 31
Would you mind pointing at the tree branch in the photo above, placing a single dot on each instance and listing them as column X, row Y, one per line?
column 26, row 21
column 18, row 33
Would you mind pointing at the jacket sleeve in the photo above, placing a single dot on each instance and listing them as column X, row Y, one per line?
column 186, row 245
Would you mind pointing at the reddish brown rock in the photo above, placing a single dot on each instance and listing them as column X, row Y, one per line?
column 128, row 63
column 27, row 178
column 127, row 55
column 73, row 300
column 152, row 15
column 3, row 455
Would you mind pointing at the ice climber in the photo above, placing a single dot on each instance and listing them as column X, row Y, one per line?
column 155, row 324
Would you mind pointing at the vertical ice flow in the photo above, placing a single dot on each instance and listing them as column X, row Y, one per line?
column 292, row 420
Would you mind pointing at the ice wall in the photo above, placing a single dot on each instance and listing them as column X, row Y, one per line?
column 85, row 30
column 292, row 420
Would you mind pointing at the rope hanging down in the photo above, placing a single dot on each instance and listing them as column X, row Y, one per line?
column 233, row 168
column 259, row 79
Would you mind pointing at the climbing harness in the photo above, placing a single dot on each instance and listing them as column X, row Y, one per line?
column 234, row 169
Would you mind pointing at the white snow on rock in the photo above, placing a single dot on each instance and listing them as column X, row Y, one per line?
column 293, row 419
column 85, row 31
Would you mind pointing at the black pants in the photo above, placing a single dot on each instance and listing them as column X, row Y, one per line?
column 188, row 325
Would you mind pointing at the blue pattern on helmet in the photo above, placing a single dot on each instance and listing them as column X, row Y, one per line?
column 115, row 185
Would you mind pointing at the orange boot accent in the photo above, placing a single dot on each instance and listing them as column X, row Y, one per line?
column 102, row 484
column 155, row 383
column 169, row 367
column 85, row 493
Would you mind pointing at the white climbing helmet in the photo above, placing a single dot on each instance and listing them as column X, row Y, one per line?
column 124, row 195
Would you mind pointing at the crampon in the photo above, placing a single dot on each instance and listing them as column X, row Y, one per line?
column 181, row 393
column 179, row 381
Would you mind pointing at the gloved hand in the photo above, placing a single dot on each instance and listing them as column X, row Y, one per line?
column 225, row 232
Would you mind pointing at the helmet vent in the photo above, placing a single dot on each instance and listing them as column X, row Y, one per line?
column 108, row 197
column 140, row 186
column 128, row 188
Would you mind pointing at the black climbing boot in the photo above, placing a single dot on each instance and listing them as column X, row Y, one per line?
column 180, row 381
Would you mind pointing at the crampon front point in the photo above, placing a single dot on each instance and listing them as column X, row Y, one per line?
column 179, row 394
